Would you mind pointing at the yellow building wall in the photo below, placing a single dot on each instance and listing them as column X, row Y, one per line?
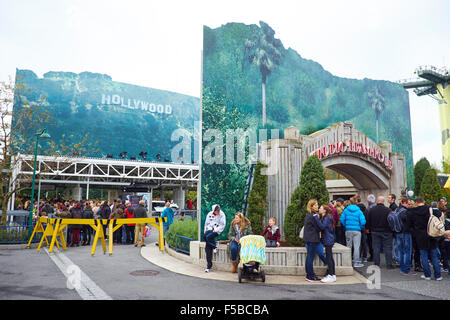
column 444, row 112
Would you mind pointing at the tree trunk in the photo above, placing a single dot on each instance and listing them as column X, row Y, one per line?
column 4, row 211
column 263, row 103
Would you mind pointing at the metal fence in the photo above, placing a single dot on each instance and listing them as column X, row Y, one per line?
column 16, row 234
column 177, row 242
column 191, row 214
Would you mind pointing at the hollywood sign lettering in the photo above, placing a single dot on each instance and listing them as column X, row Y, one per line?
column 136, row 104
column 355, row 147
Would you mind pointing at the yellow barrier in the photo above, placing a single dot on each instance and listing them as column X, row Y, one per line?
column 55, row 226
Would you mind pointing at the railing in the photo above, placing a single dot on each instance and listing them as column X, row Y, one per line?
column 187, row 214
column 16, row 234
column 179, row 243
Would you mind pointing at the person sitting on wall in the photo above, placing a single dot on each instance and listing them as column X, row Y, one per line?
column 273, row 233
column 240, row 227
column 214, row 225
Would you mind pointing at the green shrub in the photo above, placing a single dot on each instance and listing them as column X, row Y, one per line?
column 257, row 200
column 185, row 228
column 311, row 186
column 419, row 172
column 430, row 189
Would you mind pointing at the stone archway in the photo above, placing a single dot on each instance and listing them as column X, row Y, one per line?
column 370, row 167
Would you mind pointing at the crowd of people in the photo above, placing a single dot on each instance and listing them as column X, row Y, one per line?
column 77, row 235
column 399, row 231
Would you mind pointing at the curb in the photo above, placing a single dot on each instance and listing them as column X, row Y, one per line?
column 18, row 246
column 168, row 260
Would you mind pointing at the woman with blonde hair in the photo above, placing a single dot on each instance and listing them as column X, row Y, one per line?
column 312, row 239
column 239, row 227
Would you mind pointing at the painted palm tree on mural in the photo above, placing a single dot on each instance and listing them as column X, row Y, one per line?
column 378, row 104
column 264, row 52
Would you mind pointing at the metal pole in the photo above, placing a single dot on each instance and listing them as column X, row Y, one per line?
column 39, row 193
column 87, row 191
column 30, row 216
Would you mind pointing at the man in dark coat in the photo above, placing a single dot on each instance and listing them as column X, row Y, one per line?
column 380, row 231
column 364, row 247
column 140, row 212
column 417, row 222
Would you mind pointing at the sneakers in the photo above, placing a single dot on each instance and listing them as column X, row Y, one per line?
column 207, row 270
column 329, row 278
column 315, row 279
column 358, row 265
column 439, row 279
column 426, row 278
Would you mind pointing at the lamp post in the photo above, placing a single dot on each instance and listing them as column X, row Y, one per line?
column 43, row 135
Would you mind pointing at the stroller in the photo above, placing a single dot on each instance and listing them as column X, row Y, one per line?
column 252, row 256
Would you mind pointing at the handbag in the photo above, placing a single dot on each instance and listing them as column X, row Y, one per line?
column 302, row 232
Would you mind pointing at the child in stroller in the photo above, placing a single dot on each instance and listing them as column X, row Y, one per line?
column 252, row 256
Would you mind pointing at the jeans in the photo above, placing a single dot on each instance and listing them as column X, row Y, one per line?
column 353, row 239
column 434, row 262
column 117, row 235
column 363, row 248
column 382, row 239
column 404, row 244
column 395, row 253
column 271, row 243
column 87, row 231
column 209, row 238
column 165, row 228
column 234, row 250
column 445, row 253
column 311, row 250
column 124, row 233
column 130, row 233
column 319, row 252
column 209, row 247
column 330, row 260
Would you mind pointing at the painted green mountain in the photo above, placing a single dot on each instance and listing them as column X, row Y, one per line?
column 116, row 116
column 239, row 58
column 300, row 92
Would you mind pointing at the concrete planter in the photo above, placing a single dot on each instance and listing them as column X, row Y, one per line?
column 281, row 261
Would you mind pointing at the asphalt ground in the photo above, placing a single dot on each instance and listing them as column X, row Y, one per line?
column 126, row 275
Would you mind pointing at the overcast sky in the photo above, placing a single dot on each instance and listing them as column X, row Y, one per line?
column 158, row 43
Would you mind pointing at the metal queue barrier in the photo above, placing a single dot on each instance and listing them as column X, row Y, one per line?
column 53, row 227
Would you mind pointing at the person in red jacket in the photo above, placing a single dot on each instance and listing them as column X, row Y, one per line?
column 273, row 233
column 129, row 212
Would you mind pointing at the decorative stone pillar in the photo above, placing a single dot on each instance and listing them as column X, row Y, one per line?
column 179, row 197
column 77, row 192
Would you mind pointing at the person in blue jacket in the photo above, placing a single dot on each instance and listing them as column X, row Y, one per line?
column 167, row 213
column 352, row 218
column 325, row 223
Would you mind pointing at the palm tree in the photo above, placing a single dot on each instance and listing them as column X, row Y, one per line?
column 264, row 52
column 378, row 104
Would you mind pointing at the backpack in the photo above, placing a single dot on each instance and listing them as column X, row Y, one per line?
column 435, row 227
column 395, row 223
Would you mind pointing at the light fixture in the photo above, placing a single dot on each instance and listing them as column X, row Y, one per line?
column 123, row 154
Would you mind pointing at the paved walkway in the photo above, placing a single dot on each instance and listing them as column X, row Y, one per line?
column 166, row 261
